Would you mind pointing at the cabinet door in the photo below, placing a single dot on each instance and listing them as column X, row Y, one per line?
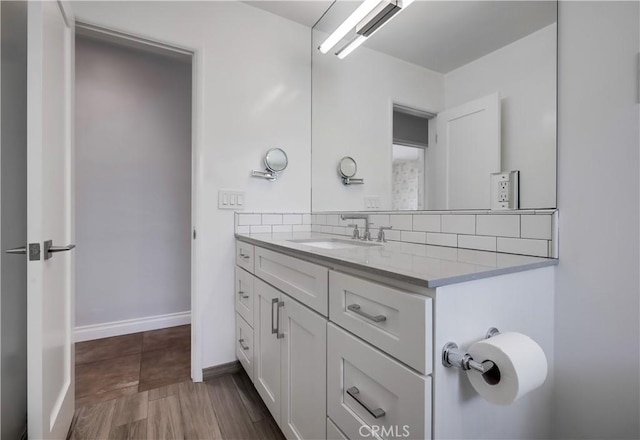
column 266, row 371
column 304, row 368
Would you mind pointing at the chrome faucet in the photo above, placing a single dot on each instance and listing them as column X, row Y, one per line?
column 367, row 233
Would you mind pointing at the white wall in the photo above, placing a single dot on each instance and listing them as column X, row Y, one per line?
column 597, row 286
column 133, row 183
column 352, row 116
column 252, row 80
column 524, row 73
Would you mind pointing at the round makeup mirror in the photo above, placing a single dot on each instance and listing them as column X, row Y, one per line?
column 276, row 160
column 347, row 167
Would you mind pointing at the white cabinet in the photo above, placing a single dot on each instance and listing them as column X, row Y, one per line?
column 267, row 357
column 301, row 280
column 290, row 349
column 244, row 345
column 369, row 394
column 304, row 372
column 244, row 255
column 396, row 322
column 244, row 294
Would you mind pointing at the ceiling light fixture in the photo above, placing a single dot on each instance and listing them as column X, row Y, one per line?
column 371, row 15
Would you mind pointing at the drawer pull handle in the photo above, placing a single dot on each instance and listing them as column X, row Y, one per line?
column 244, row 347
column 243, row 256
column 355, row 393
column 242, row 295
column 355, row 308
column 274, row 329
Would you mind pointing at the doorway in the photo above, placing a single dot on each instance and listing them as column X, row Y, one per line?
column 133, row 214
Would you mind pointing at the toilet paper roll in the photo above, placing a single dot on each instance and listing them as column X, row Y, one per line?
column 520, row 367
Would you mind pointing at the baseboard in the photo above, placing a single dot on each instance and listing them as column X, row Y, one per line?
column 128, row 326
column 219, row 370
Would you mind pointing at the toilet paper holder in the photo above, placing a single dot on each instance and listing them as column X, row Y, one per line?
column 452, row 356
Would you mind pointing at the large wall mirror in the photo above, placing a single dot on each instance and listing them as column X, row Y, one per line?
column 433, row 102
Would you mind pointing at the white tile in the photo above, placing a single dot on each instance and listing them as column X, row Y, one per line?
column 321, row 219
column 436, row 239
column 333, row 220
column 392, row 235
column 535, row 226
column 402, row 222
column 498, row 225
column 413, row 237
column 291, row 219
column 301, row 228
column 326, row 229
column 315, row 228
column 281, row 228
column 249, row 219
column 243, row 229
column 523, row 246
column 306, row 219
column 340, row 230
column 459, row 224
column 379, row 220
column 271, row 219
column 260, row 229
column 478, row 242
column 426, row 222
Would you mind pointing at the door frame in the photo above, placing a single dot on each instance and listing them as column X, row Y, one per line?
column 196, row 128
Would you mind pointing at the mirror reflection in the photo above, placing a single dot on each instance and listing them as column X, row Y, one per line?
column 434, row 103
column 276, row 160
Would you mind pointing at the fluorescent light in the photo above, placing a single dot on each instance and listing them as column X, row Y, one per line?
column 351, row 46
column 356, row 17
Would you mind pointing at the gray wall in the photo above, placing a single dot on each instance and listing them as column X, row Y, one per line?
column 13, row 183
column 597, row 329
column 133, row 183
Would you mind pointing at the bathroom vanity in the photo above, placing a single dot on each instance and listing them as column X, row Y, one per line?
column 343, row 338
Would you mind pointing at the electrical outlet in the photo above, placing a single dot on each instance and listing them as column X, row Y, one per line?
column 231, row 199
column 505, row 190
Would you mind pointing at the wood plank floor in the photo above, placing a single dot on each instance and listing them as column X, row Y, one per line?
column 227, row 407
column 138, row 387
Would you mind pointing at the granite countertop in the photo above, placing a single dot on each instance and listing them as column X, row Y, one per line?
column 423, row 265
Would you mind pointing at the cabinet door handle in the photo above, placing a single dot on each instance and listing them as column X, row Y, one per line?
column 355, row 393
column 244, row 347
column 242, row 295
column 355, row 308
column 244, row 257
column 278, row 334
column 274, row 329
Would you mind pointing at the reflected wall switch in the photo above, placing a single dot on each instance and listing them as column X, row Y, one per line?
column 231, row 199
column 505, row 190
column 371, row 202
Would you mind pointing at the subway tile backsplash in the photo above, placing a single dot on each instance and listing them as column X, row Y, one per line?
column 530, row 232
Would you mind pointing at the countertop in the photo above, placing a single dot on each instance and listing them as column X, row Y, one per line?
column 422, row 265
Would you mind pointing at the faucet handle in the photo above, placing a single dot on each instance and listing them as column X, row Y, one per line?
column 356, row 231
column 381, row 237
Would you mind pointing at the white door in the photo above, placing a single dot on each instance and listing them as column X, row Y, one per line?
column 469, row 150
column 304, row 372
column 50, row 377
column 266, row 353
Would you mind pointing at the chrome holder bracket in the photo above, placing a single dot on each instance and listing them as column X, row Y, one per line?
column 452, row 356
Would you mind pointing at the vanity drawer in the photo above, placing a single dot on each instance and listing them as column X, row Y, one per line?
column 244, row 255
column 396, row 322
column 244, row 295
column 304, row 281
column 244, row 344
column 333, row 432
column 365, row 387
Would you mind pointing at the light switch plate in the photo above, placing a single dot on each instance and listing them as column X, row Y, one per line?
column 371, row 203
column 505, row 190
column 231, row 199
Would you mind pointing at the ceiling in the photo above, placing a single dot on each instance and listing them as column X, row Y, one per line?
column 306, row 12
column 438, row 35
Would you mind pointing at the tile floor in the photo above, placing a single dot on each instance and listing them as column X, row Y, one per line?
column 138, row 387
column 125, row 365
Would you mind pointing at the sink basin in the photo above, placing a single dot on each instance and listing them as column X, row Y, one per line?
column 333, row 243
